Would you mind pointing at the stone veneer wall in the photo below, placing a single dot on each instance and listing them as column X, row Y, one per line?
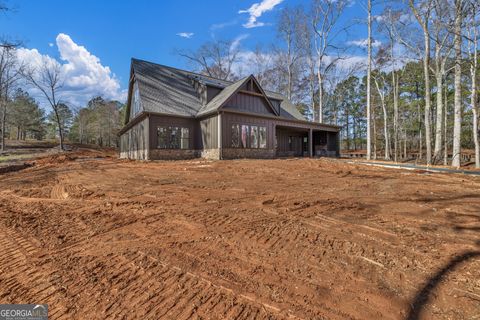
column 212, row 154
column 173, row 154
column 239, row 153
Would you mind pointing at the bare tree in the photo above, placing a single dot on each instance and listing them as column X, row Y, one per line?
column 289, row 30
column 473, row 53
column 443, row 47
column 423, row 18
column 457, row 113
column 48, row 80
column 325, row 15
column 369, row 76
column 215, row 59
column 10, row 71
column 380, row 84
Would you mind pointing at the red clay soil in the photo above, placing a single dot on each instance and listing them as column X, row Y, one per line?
column 101, row 238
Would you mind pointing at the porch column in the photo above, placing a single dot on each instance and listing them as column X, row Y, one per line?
column 310, row 142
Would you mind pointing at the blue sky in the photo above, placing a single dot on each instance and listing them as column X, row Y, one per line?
column 111, row 32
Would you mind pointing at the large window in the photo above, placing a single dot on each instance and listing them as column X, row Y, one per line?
column 262, row 137
column 253, row 137
column 235, row 136
column 173, row 138
column 244, row 136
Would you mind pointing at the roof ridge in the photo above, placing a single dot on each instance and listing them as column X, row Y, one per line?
column 201, row 75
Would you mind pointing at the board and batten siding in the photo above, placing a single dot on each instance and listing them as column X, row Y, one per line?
column 171, row 121
column 135, row 141
column 250, row 103
column 209, row 132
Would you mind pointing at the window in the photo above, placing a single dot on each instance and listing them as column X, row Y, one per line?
column 185, row 138
column 244, row 136
column 235, row 136
column 253, row 137
column 162, row 138
column 173, row 138
column 262, row 137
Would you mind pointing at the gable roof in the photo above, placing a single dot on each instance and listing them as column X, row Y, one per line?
column 169, row 90
column 219, row 100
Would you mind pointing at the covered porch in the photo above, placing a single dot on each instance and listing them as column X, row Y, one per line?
column 291, row 141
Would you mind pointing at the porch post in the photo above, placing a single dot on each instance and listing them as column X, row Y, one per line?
column 310, row 142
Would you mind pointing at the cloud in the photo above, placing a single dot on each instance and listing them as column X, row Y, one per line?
column 363, row 43
column 236, row 42
column 50, row 44
column 256, row 11
column 186, row 35
column 218, row 26
column 82, row 72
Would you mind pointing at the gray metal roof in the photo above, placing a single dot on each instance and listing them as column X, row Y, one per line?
column 169, row 90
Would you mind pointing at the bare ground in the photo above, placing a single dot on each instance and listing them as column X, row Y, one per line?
column 101, row 238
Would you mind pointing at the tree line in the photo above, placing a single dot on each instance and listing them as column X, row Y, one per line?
column 21, row 116
column 414, row 94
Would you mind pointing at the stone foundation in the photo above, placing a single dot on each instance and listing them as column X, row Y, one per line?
column 141, row 154
column 212, row 154
column 239, row 153
column 173, row 154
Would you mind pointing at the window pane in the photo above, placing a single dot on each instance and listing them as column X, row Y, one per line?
column 236, row 136
column 162, row 138
column 185, row 138
column 244, row 136
column 262, row 137
column 174, row 137
column 253, row 137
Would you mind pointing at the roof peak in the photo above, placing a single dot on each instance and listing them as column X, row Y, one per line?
column 225, row 84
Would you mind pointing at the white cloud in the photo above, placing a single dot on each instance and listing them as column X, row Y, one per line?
column 50, row 44
column 236, row 42
column 256, row 11
column 186, row 35
column 363, row 43
column 218, row 26
column 83, row 74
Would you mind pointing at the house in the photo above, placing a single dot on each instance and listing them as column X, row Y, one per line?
column 177, row 114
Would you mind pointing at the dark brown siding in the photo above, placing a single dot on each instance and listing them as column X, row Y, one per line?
column 248, row 103
column 134, row 141
column 191, row 124
column 229, row 119
column 212, row 92
column 209, row 132
column 283, row 128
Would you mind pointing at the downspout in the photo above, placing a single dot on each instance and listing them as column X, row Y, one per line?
column 219, row 117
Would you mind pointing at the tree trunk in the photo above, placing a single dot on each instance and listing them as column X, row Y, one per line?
column 395, row 114
column 473, row 97
column 320, row 95
column 445, row 118
column 369, row 75
column 457, row 123
column 4, row 120
column 439, row 121
column 60, row 129
column 428, row 107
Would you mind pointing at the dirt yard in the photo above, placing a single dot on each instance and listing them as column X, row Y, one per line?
column 101, row 238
